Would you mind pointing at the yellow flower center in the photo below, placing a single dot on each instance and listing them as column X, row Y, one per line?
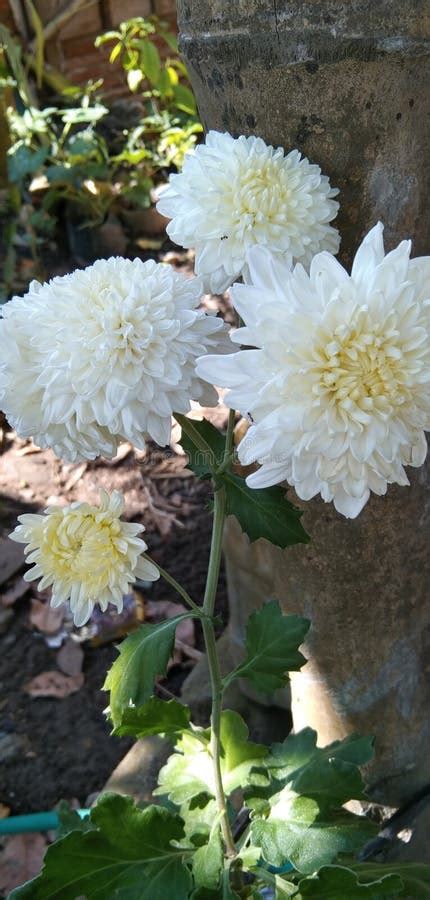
column 261, row 194
column 80, row 548
column 362, row 370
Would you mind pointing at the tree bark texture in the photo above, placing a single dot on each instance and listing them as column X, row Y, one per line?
column 346, row 83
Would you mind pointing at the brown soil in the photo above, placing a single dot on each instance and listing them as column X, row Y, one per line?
column 61, row 748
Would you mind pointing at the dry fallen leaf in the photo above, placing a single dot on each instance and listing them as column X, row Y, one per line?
column 56, row 500
column 104, row 627
column 163, row 519
column 54, row 684
column 216, row 415
column 124, row 450
column 45, row 618
column 188, row 650
column 28, row 449
column 70, row 658
column 149, row 243
column 21, row 859
column 75, row 476
column 171, row 467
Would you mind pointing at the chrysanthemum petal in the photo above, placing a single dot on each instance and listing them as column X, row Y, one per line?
column 338, row 392
column 234, row 194
column 86, row 553
column 101, row 355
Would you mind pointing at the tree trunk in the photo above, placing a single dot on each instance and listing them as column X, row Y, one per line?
column 346, row 83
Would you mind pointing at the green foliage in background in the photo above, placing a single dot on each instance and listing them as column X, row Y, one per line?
column 162, row 80
column 81, row 157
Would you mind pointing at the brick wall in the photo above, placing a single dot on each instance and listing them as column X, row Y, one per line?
column 72, row 50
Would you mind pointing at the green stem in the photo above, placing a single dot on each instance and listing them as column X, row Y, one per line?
column 207, row 612
column 229, row 435
column 178, row 587
column 214, row 667
column 226, row 464
column 220, row 501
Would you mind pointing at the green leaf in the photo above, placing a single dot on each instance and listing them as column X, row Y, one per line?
column 415, row 876
column 264, row 512
column 154, row 717
column 281, row 889
column 184, row 99
column 203, row 464
column 198, row 815
column 329, row 774
column 43, row 223
column 163, row 84
column 337, row 883
column 307, row 834
column 130, row 59
column 22, row 161
column 171, row 40
column 150, row 61
column 223, row 892
column 82, row 144
column 205, row 894
column 63, row 174
column 306, row 823
column 208, row 861
column 272, row 642
column 188, row 772
column 143, row 655
column 257, row 798
column 69, row 820
column 284, row 889
column 129, row 854
column 239, row 755
column 249, row 856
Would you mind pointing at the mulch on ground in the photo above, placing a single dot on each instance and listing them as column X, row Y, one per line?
column 56, row 748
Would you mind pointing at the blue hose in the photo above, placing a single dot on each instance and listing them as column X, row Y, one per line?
column 42, row 821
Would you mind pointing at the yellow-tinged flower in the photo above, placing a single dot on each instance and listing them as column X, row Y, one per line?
column 86, row 553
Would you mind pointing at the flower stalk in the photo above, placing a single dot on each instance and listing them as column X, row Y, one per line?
column 214, row 667
column 206, row 614
column 211, row 648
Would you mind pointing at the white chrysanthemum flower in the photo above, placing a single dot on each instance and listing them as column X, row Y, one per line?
column 234, row 193
column 104, row 354
column 86, row 553
column 339, row 391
